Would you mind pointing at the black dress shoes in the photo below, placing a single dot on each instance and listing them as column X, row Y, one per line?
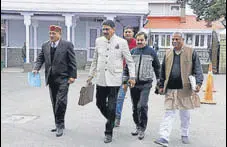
column 59, row 132
column 108, row 139
column 135, row 133
column 53, row 130
column 141, row 135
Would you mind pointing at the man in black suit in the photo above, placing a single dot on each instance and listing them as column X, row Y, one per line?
column 60, row 71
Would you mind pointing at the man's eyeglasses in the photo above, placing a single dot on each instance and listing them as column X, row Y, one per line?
column 105, row 29
column 175, row 39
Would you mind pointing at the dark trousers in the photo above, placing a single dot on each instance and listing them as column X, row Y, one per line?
column 106, row 98
column 139, row 96
column 58, row 88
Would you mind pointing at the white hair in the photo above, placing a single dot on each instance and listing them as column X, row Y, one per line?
column 178, row 33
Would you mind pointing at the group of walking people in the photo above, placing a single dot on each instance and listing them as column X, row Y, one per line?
column 121, row 64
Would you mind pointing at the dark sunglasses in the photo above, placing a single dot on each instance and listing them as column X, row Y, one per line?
column 105, row 29
column 175, row 39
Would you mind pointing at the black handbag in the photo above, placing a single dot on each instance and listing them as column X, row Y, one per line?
column 86, row 94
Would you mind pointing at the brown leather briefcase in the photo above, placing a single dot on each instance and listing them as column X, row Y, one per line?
column 86, row 94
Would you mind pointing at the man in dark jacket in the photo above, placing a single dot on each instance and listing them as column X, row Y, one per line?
column 60, row 71
column 147, row 64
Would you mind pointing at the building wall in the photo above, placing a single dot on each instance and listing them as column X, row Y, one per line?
column 125, row 21
column 222, row 55
column 80, row 35
column 43, row 31
column 163, row 9
column 16, row 33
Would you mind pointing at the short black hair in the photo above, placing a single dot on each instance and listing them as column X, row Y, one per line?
column 109, row 23
column 142, row 33
column 128, row 27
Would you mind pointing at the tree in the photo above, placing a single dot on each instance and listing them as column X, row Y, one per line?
column 209, row 10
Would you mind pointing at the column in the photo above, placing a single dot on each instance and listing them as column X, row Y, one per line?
column 27, row 22
column 68, row 23
column 73, row 29
column 141, row 23
column 35, row 26
column 7, row 42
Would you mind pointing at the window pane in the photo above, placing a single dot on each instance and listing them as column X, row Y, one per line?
column 202, row 40
column 189, row 39
column 151, row 40
column 156, row 38
column 168, row 40
column 93, row 36
column 163, row 40
column 209, row 42
column 197, row 40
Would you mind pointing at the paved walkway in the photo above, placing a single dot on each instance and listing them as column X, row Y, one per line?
column 85, row 125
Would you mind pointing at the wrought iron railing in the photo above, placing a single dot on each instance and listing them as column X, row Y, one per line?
column 203, row 53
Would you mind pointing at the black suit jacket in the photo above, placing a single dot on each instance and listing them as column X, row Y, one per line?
column 64, row 62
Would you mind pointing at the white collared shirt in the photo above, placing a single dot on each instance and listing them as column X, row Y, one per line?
column 56, row 43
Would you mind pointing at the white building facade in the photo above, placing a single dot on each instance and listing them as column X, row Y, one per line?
column 28, row 21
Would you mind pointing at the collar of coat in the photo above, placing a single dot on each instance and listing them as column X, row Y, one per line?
column 111, row 39
column 180, row 51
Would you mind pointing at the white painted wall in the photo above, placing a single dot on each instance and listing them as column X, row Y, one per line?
column 163, row 10
column 106, row 6
column 43, row 31
column 125, row 21
column 16, row 33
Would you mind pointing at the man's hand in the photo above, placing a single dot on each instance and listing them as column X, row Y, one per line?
column 89, row 80
column 35, row 71
column 132, row 83
column 161, row 90
column 125, row 86
column 197, row 88
column 71, row 80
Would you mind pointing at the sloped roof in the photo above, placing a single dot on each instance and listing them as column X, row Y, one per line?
column 71, row 6
column 174, row 23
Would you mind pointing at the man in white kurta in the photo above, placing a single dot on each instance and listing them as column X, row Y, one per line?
column 107, row 69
